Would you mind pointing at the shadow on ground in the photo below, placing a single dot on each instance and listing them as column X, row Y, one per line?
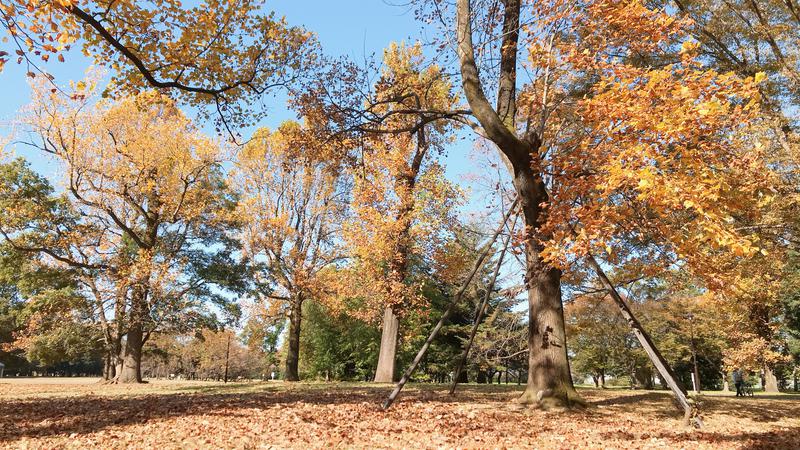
column 95, row 411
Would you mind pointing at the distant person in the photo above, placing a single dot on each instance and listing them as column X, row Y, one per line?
column 738, row 381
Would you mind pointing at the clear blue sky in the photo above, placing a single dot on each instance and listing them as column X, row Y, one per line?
column 354, row 28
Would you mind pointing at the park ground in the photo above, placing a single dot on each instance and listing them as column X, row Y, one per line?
column 80, row 413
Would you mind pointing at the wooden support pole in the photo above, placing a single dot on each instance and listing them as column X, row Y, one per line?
column 463, row 360
column 691, row 414
column 448, row 311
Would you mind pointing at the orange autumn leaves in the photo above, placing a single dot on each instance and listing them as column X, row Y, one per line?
column 403, row 206
column 218, row 56
column 649, row 155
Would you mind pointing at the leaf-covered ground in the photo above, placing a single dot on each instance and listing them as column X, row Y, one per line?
column 163, row 415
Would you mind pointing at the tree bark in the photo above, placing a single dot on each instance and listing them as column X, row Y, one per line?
column 129, row 367
column 386, row 357
column 293, row 348
column 131, row 357
column 549, row 381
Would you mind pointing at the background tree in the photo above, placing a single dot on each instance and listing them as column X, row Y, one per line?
column 143, row 204
column 292, row 202
column 219, row 57
column 401, row 201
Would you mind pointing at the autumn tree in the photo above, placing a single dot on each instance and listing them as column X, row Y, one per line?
column 598, row 337
column 143, row 208
column 44, row 320
column 220, row 57
column 601, row 76
column 403, row 173
column 292, row 200
column 402, row 203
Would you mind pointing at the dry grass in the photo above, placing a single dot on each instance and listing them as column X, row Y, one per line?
column 83, row 414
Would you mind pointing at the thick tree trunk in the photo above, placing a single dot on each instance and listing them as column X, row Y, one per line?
column 549, row 380
column 386, row 358
column 770, row 381
column 293, row 348
column 131, row 357
column 129, row 366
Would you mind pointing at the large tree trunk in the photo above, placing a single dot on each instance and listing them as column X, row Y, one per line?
column 131, row 357
column 293, row 349
column 129, row 366
column 770, row 381
column 386, row 358
column 549, row 380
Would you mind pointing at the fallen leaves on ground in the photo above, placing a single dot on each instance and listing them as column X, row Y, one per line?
column 167, row 415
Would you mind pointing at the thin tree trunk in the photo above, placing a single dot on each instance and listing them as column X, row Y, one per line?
column 386, row 358
column 293, row 349
column 227, row 358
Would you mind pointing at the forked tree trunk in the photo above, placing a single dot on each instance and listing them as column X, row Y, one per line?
column 293, row 348
column 386, row 358
column 549, row 381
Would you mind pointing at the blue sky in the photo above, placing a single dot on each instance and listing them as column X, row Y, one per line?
column 354, row 28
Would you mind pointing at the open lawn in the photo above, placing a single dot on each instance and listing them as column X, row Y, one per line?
column 79, row 413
